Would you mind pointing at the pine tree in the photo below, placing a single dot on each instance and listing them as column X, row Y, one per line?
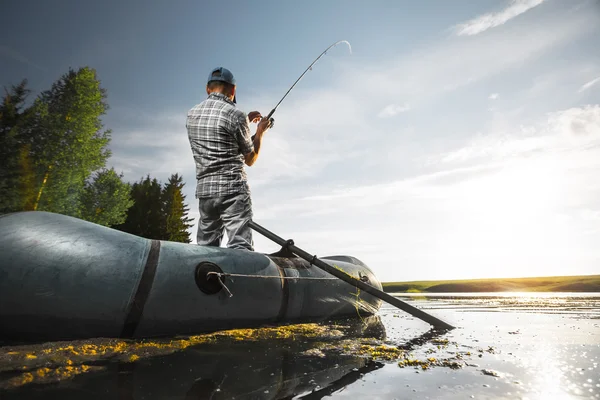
column 106, row 199
column 145, row 217
column 177, row 222
column 159, row 212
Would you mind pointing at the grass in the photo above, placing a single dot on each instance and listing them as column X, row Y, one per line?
column 581, row 283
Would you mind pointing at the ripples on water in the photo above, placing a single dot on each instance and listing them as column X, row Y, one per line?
column 567, row 303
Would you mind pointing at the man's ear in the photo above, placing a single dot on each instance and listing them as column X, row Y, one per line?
column 207, row 90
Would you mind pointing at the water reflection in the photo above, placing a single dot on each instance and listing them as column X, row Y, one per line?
column 244, row 371
column 230, row 368
column 503, row 354
column 524, row 302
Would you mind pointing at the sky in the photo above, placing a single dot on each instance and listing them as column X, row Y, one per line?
column 456, row 140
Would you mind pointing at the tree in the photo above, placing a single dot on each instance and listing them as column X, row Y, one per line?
column 158, row 212
column 106, row 199
column 176, row 211
column 50, row 150
column 145, row 217
column 16, row 172
column 66, row 141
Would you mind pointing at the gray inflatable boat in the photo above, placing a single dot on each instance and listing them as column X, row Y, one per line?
column 64, row 278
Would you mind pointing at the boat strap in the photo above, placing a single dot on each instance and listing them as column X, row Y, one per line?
column 136, row 308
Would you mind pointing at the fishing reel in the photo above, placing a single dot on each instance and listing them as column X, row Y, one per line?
column 271, row 122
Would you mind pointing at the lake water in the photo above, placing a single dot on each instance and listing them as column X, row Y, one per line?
column 505, row 346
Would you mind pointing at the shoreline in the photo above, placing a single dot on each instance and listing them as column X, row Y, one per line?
column 579, row 283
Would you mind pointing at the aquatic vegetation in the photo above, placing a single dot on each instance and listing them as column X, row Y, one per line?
column 381, row 352
column 490, row 372
column 357, row 301
column 47, row 375
column 429, row 363
column 490, row 350
column 363, row 347
column 58, row 361
column 61, row 360
column 314, row 353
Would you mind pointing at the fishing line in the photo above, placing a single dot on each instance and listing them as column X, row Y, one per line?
column 305, row 71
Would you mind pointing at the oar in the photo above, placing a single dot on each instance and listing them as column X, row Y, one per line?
column 289, row 244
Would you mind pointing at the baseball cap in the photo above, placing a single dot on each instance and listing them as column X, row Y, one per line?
column 222, row 74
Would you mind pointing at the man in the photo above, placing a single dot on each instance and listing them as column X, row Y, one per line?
column 219, row 135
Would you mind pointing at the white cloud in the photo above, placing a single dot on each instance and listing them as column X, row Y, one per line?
column 456, row 63
column 503, row 203
column 491, row 20
column 591, row 215
column 393, row 109
column 589, row 84
column 568, row 130
column 307, row 141
column 158, row 146
column 310, row 133
column 493, row 96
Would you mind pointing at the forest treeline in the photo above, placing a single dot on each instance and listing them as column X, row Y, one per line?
column 54, row 151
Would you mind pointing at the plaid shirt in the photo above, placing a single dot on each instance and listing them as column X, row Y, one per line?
column 219, row 135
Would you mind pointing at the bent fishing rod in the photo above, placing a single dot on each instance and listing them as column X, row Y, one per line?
column 304, row 73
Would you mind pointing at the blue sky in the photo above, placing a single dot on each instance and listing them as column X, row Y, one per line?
column 458, row 140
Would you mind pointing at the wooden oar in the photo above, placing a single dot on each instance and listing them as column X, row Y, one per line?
column 289, row 244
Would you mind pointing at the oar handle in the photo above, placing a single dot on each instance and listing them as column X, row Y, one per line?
column 351, row 280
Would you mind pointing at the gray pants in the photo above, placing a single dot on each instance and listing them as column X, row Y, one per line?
column 230, row 212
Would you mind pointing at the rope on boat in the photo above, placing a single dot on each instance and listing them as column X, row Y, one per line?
column 224, row 274
column 220, row 274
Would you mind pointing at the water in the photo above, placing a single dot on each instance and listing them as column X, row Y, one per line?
column 505, row 346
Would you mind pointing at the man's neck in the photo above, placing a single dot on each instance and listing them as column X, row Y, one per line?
column 220, row 94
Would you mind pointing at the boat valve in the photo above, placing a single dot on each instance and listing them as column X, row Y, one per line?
column 210, row 278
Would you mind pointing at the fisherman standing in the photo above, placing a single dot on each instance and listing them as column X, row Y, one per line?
column 219, row 135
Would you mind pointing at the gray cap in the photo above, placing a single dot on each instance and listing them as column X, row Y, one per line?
column 222, row 74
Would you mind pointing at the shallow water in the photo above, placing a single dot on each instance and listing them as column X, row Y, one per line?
column 513, row 346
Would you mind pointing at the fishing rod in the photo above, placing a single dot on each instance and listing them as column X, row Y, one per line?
column 304, row 73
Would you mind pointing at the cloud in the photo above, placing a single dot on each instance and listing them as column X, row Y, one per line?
column 152, row 144
column 155, row 144
column 588, row 85
column 508, row 200
column 301, row 147
column 493, row 96
column 346, row 136
column 556, row 134
column 393, row 109
column 12, row 54
column 590, row 214
column 454, row 63
column 491, row 20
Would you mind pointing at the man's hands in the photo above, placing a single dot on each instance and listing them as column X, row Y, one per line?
column 254, row 116
column 263, row 125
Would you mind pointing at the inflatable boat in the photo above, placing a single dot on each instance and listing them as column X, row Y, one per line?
column 63, row 278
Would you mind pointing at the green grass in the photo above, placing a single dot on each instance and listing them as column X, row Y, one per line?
column 582, row 283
